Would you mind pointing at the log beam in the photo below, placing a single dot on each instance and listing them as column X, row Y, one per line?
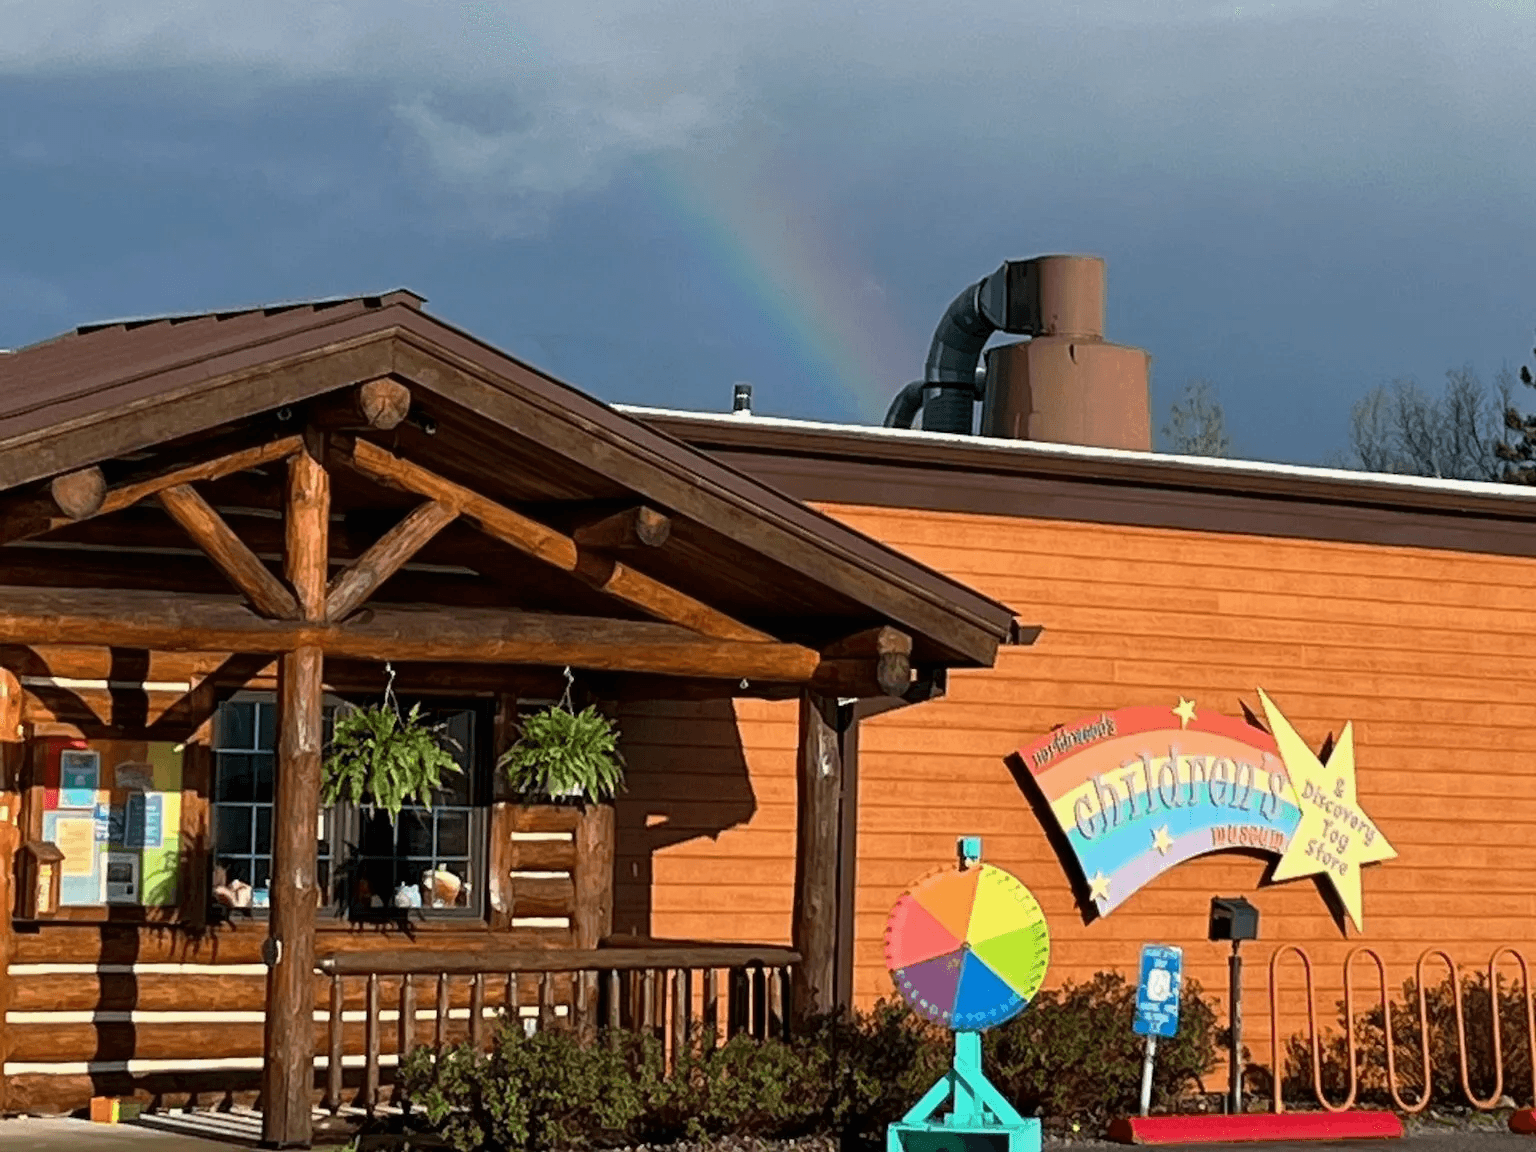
column 79, row 494
column 819, row 783
column 363, row 577
column 381, row 404
column 288, row 1038
column 228, row 552
column 401, row 632
column 544, row 543
column 633, row 528
column 26, row 518
column 877, row 662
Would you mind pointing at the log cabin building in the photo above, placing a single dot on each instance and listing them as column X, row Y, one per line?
column 823, row 644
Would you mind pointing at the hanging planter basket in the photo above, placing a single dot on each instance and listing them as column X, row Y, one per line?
column 382, row 759
column 565, row 756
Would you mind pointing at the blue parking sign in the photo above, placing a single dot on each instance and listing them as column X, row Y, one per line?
column 1157, row 994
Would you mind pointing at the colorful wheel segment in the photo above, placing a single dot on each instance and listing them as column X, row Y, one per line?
column 967, row 948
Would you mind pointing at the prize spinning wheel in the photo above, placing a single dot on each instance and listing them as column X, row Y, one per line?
column 968, row 946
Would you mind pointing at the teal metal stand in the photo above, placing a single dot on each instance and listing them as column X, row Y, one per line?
column 979, row 1120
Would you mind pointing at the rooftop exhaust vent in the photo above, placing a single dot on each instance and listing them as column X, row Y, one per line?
column 1064, row 385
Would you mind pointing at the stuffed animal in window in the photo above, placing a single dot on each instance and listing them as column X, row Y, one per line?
column 407, row 896
column 443, row 888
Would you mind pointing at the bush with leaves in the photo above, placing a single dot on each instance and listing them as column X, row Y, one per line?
column 1445, row 1062
column 543, row 1091
column 1075, row 1052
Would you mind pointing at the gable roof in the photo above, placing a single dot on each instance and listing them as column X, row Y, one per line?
column 105, row 391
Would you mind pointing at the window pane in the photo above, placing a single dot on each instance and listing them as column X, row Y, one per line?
column 261, row 869
column 377, row 837
column 236, row 778
column 237, row 725
column 264, row 766
column 414, row 833
column 232, row 830
column 236, row 868
column 453, row 833
column 263, row 830
column 267, row 726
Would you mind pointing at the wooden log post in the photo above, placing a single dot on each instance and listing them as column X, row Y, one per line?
column 818, row 785
column 289, row 1041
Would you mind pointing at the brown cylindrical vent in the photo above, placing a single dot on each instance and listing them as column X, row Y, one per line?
column 1067, row 385
column 1065, row 390
column 1071, row 294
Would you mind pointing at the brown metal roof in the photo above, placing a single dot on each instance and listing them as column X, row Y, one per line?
column 108, row 390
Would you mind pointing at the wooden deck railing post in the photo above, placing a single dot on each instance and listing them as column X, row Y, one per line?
column 711, row 1013
column 335, row 1048
column 477, row 1013
column 371, row 1044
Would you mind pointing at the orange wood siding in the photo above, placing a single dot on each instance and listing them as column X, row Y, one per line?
column 1426, row 652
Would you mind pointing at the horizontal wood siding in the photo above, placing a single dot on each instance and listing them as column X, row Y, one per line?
column 1426, row 652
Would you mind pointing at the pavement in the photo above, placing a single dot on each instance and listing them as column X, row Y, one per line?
column 219, row 1132
column 163, row 1132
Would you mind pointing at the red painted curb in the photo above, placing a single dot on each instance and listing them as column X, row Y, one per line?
column 1523, row 1121
column 1257, row 1126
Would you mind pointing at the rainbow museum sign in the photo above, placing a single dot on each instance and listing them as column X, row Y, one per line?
column 1138, row 791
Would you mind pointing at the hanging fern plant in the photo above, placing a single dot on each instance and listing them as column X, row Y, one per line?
column 385, row 760
column 562, row 754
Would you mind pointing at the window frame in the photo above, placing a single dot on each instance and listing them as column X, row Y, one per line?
column 344, row 823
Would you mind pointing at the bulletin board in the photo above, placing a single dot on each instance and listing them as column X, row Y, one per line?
column 114, row 810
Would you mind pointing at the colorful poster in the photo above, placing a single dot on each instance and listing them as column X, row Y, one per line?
column 79, row 774
column 75, row 836
column 154, row 821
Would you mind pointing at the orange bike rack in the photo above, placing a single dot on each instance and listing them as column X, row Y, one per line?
column 1521, row 1121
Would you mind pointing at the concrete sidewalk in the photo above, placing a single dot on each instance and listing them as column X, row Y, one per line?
column 164, row 1131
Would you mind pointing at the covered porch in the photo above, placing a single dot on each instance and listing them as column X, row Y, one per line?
column 209, row 516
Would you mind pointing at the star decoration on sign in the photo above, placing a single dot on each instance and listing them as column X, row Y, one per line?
column 1098, row 886
column 1185, row 711
column 1334, row 837
column 1162, row 841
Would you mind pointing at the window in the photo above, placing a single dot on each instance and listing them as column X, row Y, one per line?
column 431, row 860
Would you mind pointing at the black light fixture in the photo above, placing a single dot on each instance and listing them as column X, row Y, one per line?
column 1234, row 919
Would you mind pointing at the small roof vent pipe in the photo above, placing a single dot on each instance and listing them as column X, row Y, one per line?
column 741, row 400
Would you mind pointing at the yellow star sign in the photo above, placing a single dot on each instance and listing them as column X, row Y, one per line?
column 1334, row 837
column 1162, row 841
column 1098, row 886
column 1185, row 711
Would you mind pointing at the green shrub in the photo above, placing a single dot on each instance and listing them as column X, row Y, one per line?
column 543, row 1091
column 1445, row 1064
column 1074, row 1052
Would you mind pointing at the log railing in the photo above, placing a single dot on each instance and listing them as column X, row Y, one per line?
column 681, row 995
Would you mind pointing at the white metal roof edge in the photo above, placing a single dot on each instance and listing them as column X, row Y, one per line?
column 1383, row 483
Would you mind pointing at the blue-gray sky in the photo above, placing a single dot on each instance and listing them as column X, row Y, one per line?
column 655, row 198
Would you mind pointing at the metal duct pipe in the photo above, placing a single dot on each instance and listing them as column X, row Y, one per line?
column 953, row 378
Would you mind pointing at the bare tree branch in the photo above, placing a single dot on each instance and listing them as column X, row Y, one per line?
column 1198, row 426
column 1398, row 428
